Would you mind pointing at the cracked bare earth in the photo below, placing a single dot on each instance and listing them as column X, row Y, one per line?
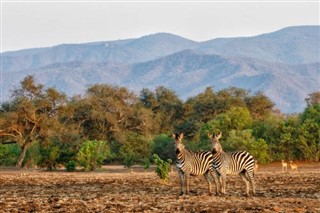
column 115, row 189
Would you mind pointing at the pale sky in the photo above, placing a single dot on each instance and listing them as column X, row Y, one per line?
column 30, row 24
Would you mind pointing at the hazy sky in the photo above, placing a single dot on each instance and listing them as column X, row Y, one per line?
column 29, row 24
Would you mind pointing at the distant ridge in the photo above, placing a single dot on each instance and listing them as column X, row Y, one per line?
column 283, row 64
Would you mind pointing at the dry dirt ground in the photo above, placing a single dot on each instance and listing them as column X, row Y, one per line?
column 115, row 189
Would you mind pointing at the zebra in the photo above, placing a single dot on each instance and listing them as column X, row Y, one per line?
column 239, row 162
column 194, row 164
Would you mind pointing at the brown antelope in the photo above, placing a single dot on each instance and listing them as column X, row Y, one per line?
column 284, row 165
column 293, row 166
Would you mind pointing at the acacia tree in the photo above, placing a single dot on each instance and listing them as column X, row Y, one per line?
column 166, row 106
column 31, row 115
column 259, row 105
column 107, row 111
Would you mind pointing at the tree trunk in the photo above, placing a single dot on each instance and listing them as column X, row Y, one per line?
column 22, row 155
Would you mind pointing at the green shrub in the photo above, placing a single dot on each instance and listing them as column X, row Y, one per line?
column 49, row 154
column 145, row 163
column 134, row 149
column 71, row 166
column 243, row 140
column 9, row 154
column 33, row 156
column 92, row 154
column 129, row 159
column 162, row 169
column 163, row 146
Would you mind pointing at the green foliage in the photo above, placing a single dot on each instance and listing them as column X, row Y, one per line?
column 312, row 112
column 31, row 115
column 135, row 149
column 145, row 163
column 243, row 140
column 33, row 155
column 163, row 146
column 308, row 140
column 49, row 129
column 162, row 169
column 259, row 105
column 129, row 158
column 237, row 118
column 49, row 154
column 71, row 166
column 92, row 154
column 9, row 154
column 57, row 151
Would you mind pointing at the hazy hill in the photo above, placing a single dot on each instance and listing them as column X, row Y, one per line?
column 292, row 45
column 128, row 51
column 284, row 64
column 189, row 73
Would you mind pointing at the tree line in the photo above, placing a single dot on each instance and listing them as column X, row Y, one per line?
column 111, row 124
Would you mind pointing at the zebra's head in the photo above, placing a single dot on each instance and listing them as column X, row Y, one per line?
column 216, row 146
column 178, row 142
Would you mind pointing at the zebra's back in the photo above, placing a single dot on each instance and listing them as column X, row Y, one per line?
column 235, row 162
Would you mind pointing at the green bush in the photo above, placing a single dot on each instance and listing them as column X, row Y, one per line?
column 129, row 159
column 243, row 140
column 54, row 152
column 92, row 154
column 71, row 166
column 9, row 154
column 163, row 146
column 49, row 154
column 145, row 163
column 162, row 169
column 33, row 156
column 134, row 149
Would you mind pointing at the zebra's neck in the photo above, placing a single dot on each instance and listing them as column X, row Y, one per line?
column 217, row 159
column 216, row 155
column 181, row 155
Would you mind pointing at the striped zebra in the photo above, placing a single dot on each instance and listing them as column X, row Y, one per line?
column 193, row 164
column 239, row 162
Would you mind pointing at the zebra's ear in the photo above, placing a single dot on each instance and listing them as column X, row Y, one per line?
column 173, row 136
column 181, row 136
column 209, row 135
column 219, row 136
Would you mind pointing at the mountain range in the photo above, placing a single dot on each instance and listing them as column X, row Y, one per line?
column 284, row 64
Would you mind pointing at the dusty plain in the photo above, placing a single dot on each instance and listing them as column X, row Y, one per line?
column 118, row 189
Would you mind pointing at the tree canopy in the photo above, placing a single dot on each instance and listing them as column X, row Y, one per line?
column 49, row 129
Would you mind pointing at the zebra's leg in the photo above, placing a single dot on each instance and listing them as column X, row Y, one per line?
column 253, row 186
column 182, row 180
column 207, row 177
column 245, row 178
column 186, row 176
column 250, row 176
column 216, row 177
column 223, row 179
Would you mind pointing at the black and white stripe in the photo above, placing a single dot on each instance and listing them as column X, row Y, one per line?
column 194, row 164
column 240, row 162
